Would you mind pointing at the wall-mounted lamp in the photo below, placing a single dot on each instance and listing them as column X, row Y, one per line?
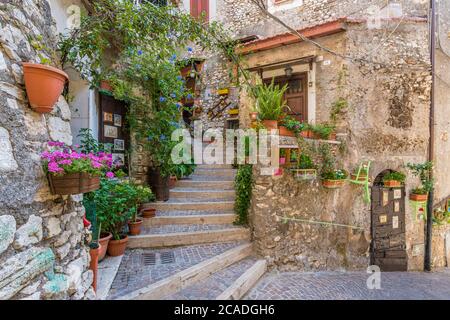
column 288, row 71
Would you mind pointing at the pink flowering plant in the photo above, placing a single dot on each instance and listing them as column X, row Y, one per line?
column 63, row 159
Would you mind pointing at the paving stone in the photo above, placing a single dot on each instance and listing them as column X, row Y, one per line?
column 351, row 286
column 174, row 228
column 133, row 274
column 214, row 285
column 173, row 213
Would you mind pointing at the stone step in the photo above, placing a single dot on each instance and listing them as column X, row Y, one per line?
column 215, row 172
column 191, row 205
column 167, row 235
column 214, row 166
column 205, row 185
column 202, row 194
column 216, row 284
column 206, row 178
column 176, row 213
column 226, row 218
column 187, row 277
column 245, row 282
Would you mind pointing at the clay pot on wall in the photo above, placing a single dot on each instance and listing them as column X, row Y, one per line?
column 148, row 213
column 74, row 183
column 332, row 184
column 135, row 226
column 94, row 252
column 285, row 132
column 362, row 177
column 117, row 247
column 270, row 124
column 392, row 184
column 44, row 85
column 103, row 242
column 418, row 197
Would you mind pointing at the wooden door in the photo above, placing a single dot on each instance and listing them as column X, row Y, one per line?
column 113, row 128
column 296, row 95
column 388, row 248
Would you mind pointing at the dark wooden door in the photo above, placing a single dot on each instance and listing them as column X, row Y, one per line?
column 296, row 94
column 388, row 249
column 113, row 128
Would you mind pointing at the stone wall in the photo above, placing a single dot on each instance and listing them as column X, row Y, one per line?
column 42, row 237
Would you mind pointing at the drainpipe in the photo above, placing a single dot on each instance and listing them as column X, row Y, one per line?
column 429, row 230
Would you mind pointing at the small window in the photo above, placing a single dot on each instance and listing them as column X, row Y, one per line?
column 199, row 8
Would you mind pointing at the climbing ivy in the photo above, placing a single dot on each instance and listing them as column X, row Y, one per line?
column 243, row 185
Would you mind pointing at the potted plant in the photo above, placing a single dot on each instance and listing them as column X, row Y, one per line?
column 334, row 179
column 142, row 194
column 421, row 170
column 270, row 103
column 306, row 169
column 322, row 131
column 394, row 179
column 72, row 172
column 291, row 127
column 282, row 160
column 115, row 201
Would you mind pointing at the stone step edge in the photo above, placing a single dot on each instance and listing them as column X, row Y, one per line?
column 187, row 238
column 214, row 205
column 225, row 218
column 245, row 282
column 190, row 275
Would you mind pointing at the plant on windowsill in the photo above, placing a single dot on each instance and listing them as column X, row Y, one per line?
column 421, row 170
column 306, row 169
column 394, row 179
column 72, row 172
column 270, row 104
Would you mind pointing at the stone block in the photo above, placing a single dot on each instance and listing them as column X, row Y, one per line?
column 60, row 130
column 29, row 233
column 63, row 251
column 7, row 161
column 18, row 271
column 53, row 226
column 64, row 108
column 7, row 230
column 56, row 287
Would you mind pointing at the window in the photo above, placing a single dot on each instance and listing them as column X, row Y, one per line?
column 199, row 8
column 159, row 3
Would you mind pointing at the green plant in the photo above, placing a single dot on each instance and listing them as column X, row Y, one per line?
column 441, row 217
column 270, row 101
column 305, row 162
column 322, row 130
column 88, row 144
column 423, row 171
column 182, row 170
column 294, row 125
column 243, row 185
column 337, row 108
column 338, row 174
column 396, row 176
column 116, row 202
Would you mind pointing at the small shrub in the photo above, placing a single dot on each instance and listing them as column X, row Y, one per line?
column 243, row 185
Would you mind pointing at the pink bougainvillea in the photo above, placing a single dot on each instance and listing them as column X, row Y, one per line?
column 62, row 159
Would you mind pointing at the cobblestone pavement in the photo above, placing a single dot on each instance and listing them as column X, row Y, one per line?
column 172, row 213
column 215, row 284
column 351, row 286
column 173, row 228
column 142, row 267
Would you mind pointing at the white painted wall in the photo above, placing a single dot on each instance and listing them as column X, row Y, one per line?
column 284, row 5
column 83, row 105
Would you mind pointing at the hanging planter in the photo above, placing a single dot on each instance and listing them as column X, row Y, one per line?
column 393, row 179
column 418, row 197
column 304, row 174
column 334, row 179
column 44, row 84
column 362, row 177
column 73, row 183
column 332, row 184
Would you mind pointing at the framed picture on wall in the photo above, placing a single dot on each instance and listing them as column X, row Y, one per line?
column 118, row 159
column 117, row 120
column 119, row 144
column 107, row 117
column 110, row 131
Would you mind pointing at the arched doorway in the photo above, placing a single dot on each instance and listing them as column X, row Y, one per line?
column 388, row 247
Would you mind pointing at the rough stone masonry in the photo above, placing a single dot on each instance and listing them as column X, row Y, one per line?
column 42, row 237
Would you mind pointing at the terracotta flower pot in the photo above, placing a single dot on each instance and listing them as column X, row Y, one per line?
column 332, row 136
column 148, row 213
column 253, row 116
column 285, row 132
column 74, row 183
column 332, row 184
column 94, row 253
column 117, row 247
column 172, row 182
column 103, row 241
column 362, row 177
column 44, row 85
column 306, row 134
column 418, row 197
column 392, row 184
column 135, row 226
column 270, row 124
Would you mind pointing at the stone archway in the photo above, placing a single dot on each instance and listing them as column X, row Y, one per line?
column 388, row 247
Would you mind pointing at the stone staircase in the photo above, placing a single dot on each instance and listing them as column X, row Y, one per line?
column 212, row 257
